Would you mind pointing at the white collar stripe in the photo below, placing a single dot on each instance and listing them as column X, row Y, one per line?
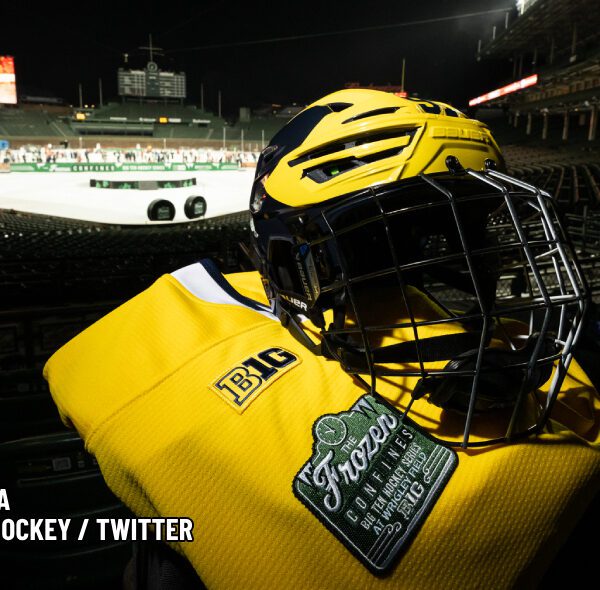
column 212, row 288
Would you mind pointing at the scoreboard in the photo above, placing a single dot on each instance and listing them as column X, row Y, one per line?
column 8, row 87
column 151, row 83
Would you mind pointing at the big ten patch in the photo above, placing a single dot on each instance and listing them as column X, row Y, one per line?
column 243, row 383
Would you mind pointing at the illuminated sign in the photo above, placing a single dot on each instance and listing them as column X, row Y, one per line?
column 8, row 86
column 524, row 83
column 80, row 116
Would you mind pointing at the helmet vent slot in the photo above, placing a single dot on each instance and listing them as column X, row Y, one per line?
column 336, row 107
column 328, row 170
column 373, row 113
column 352, row 142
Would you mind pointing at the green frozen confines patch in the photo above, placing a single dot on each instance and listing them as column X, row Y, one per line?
column 372, row 479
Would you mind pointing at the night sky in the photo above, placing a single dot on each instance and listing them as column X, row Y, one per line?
column 58, row 45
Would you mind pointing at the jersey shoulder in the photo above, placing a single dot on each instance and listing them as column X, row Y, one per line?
column 182, row 315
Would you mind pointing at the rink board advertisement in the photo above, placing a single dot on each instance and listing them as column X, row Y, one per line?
column 117, row 167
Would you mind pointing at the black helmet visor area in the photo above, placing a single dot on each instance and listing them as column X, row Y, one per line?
column 465, row 287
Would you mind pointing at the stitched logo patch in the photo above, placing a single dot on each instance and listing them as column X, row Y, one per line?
column 372, row 479
column 242, row 384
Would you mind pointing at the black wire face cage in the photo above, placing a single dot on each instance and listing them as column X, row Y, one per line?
column 463, row 287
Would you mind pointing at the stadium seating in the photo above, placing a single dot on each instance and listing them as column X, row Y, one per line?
column 19, row 123
column 49, row 260
column 572, row 176
column 134, row 111
column 63, row 128
column 253, row 130
column 59, row 276
column 136, row 119
column 52, row 476
column 130, row 118
column 28, row 336
column 184, row 132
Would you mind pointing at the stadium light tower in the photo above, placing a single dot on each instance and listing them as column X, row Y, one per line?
column 151, row 49
column 403, row 73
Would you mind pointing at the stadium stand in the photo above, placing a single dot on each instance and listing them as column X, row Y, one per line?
column 573, row 177
column 548, row 131
column 183, row 132
column 20, row 123
column 253, row 130
column 136, row 121
column 57, row 277
column 55, row 260
column 133, row 111
column 129, row 118
column 559, row 40
column 53, row 476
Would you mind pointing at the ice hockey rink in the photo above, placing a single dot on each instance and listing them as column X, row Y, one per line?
column 70, row 194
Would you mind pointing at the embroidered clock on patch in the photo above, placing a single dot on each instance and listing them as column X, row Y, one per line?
column 372, row 479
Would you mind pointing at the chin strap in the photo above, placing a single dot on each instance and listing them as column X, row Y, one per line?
column 436, row 348
column 292, row 325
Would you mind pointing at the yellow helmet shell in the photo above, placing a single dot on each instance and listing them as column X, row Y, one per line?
column 371, row 138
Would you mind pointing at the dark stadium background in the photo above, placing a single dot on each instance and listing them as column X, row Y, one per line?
column 58, row 45
column 57, row 275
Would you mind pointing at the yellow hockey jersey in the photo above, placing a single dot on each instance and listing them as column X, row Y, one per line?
column 198, row 403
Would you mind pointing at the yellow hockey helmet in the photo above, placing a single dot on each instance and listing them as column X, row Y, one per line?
column 357, row 138
column 390, row 225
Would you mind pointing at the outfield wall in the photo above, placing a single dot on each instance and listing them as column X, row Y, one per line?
column 123, row 167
